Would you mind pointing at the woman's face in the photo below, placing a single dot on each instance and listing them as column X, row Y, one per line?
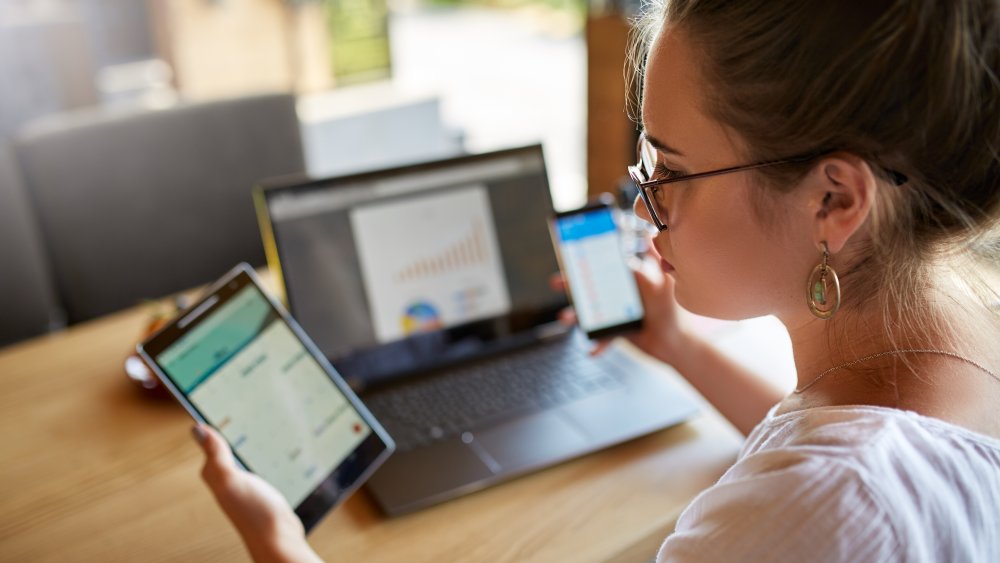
column 726, row 264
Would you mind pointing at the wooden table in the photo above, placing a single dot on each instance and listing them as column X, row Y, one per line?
column 94, row 470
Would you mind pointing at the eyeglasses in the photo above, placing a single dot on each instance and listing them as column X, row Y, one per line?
column 645, row 169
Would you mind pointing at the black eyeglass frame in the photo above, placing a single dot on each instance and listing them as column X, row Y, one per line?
column 647, row 187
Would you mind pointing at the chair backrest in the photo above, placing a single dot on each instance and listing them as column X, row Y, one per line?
column 27, row 293
column 141, row 205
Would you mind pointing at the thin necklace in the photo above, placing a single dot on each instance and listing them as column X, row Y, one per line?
column 894, row 352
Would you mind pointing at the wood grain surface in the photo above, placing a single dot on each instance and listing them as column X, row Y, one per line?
column 95, row 470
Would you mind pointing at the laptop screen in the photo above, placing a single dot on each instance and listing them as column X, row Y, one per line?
column 403, row 270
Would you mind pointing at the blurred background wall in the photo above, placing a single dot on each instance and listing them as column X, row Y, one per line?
column 373, row 83
column 504, row 71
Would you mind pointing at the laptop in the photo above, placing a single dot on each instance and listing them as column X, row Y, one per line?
column 427, row 288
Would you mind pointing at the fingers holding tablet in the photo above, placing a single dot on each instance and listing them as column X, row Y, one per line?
column 262, row 516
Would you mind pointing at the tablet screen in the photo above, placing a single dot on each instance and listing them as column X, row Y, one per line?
column 251, row 377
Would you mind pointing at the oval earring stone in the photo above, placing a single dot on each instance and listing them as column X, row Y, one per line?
column 819, row 292
column 823, row 292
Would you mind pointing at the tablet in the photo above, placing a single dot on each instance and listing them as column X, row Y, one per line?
column 237, row 361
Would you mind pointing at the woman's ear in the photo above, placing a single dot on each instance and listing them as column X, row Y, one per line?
column 843, row 198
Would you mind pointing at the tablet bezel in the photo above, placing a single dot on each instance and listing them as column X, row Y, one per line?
column 353, row 470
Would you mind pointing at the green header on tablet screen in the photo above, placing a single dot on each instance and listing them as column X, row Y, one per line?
column 199, row 353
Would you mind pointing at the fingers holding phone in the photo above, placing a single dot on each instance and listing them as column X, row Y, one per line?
column 662, row 334
column 612, row 295
column 567, row 317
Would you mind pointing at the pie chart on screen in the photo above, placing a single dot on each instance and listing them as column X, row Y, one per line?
column 421, row 317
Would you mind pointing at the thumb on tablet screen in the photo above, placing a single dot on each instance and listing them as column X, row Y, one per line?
column 269, row 527
column 218, row 456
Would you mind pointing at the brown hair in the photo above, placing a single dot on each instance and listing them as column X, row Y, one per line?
column 909, row 85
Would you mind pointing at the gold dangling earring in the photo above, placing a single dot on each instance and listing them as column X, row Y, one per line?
column 823, row 285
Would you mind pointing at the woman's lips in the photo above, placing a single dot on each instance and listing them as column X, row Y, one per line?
column 667, row 267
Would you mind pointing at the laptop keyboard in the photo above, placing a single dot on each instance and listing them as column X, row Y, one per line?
column 468, row 397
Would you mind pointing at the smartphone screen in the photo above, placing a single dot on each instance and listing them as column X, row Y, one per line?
column 601, row 285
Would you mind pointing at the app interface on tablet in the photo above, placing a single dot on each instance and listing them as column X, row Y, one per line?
column 603, row 287
column 254, row 380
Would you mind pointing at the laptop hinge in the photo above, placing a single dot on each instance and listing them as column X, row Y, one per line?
column 551, row 330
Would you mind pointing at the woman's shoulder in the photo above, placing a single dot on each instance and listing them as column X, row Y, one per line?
column 850, row 483
column 786, row 506
column 901, row 458
column 852, row 433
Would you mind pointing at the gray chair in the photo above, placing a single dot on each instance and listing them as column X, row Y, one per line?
column 141, row 205
column 27, row 294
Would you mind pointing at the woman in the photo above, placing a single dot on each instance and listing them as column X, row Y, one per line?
column 834, row 164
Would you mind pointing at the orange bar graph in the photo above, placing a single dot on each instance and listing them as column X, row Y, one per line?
column 469, row 251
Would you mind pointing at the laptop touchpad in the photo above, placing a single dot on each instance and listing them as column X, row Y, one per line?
column 535, row 439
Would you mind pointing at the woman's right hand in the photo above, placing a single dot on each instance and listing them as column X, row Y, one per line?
column 662, row 335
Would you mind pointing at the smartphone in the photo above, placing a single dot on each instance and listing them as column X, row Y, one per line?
column 600, row 284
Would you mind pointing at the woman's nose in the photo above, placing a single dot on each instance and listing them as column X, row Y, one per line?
column 639, row 208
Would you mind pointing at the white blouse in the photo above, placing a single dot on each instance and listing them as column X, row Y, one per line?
column 849, row 484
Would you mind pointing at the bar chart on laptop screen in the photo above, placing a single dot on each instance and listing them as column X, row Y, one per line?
column 430, row 262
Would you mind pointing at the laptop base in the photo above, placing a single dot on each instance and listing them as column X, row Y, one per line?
column 485, row 454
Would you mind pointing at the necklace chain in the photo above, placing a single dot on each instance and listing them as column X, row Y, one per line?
column 896, row 352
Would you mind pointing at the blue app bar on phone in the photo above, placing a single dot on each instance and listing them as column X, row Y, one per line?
column 602, row 285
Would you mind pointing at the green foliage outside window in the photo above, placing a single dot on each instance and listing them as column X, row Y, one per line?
column 359, row 39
